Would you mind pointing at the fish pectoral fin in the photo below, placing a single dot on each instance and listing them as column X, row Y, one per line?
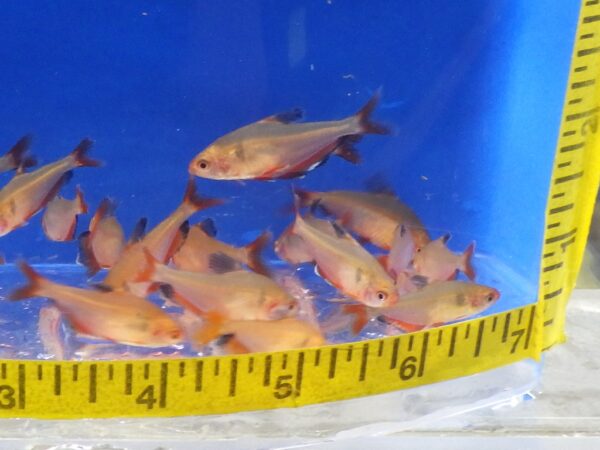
column 290, row 116
column 222, row 263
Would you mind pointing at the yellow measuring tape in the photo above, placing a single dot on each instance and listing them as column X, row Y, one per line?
column 223, row 384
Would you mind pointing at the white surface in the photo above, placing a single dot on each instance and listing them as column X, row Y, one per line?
column 566, row 404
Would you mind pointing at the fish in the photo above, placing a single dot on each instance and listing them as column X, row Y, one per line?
column 201, row 243
column 102, row 245
column 49, row 329
column 436, row 262
column 161, row 241
column 374, row 216
column 433, row 305
column 249, row 336
column 27, row 193
column 339, row 259
column 237, row 294
column 275, row 147
column 16, row 156
column 116, row 316
column 401, row 253
column 60, row 217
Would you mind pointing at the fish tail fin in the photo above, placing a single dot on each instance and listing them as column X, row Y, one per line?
column 81, row 157
column 192, row 199
column 210, row 329
column 254, row 251
column 17, row 152
column 368, row 126
column 361, row 316
column 467, row 265
column 149, row 267
column 86, row 254
column 82, row 205
column 32, row 288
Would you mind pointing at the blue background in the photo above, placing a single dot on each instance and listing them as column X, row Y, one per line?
column 473, row 89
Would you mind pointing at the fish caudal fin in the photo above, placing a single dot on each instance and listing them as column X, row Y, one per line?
column 210, row 329
column 467, row 265
column 361, row 316
column 80, row 154
column 254, row 251
column 193, row 199
column 367, row 126
column 86, row 254
column 82, row 206
column 18, row 151
column 32, row 288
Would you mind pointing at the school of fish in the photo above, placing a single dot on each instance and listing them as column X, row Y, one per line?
column 369, row 245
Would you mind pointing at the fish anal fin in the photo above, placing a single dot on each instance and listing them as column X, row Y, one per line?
column 234, row 347
column 405, row 326
column 345, row 150
column 210, row 329
column 361, row 316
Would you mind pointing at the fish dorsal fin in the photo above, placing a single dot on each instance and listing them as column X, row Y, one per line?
column 208, row 226
column 419, row 281
column 377, row 184
column 166, row 290
column 222, row 263
column 339, row 231
column 139, row 231
column 101, row 287
column 27, row 163
column 445, row 238
column 290, row 116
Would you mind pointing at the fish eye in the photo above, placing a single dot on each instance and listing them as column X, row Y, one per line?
column 202, row 163
column 490, row 298
column 382, row 295
column 418, row 249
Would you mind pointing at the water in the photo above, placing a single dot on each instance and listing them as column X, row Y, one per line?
column 473, row 92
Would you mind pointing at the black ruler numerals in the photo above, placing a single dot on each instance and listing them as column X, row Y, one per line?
column 288, row 385
column 414, row 366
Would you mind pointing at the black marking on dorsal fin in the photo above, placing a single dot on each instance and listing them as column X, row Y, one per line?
column 208, row 226
column 339, row 231
column 377, row 184
column 101, row 287
column 419, row 281
column 292, row 115
column 166, row 290
column 138, row 231
column 221, row 263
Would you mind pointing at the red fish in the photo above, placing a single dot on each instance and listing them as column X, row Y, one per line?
column 27, row 193
column 60, row 217
column 437, row 263
column 118, row 316
column 275, row 148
